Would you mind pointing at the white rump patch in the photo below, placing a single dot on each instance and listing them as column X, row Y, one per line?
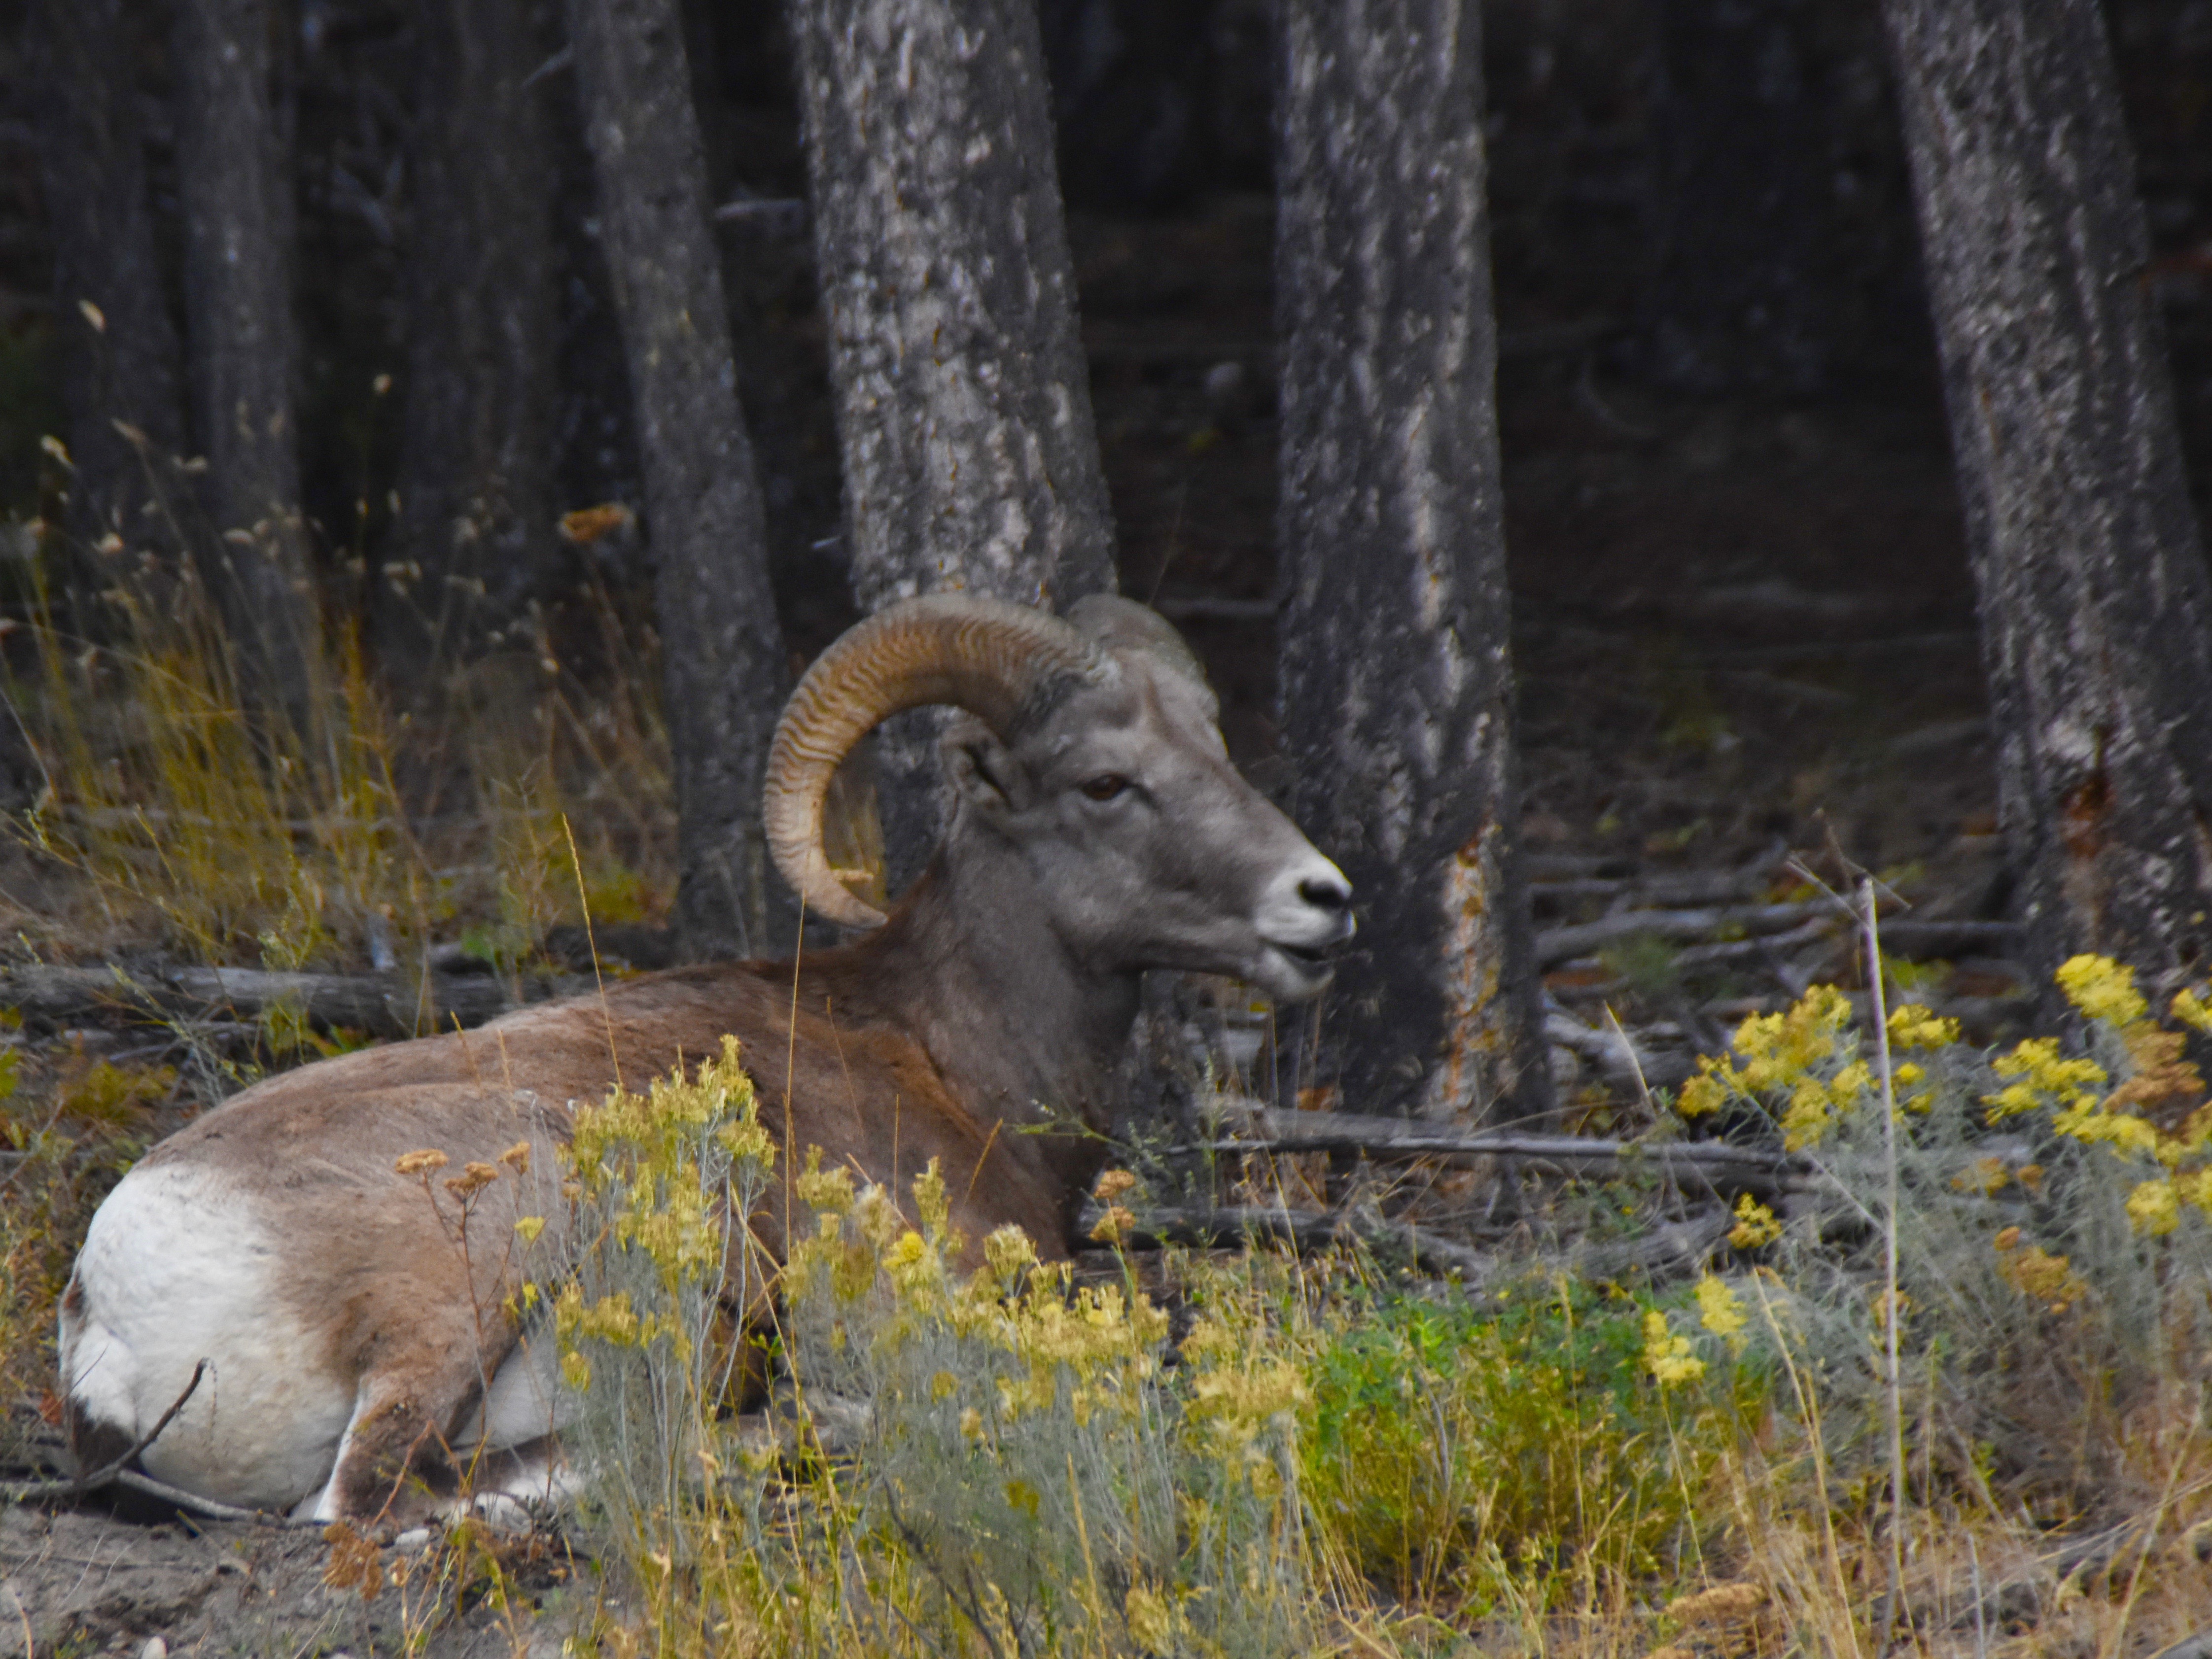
column 176, row 1268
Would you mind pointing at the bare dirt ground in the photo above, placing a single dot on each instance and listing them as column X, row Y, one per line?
column 86, row 1582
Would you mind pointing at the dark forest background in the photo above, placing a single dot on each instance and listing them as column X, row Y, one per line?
column 1716, row 370
column 1718, row 379
column 1742, row 616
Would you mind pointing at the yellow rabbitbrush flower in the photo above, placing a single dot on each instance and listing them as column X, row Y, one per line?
column 1719, row 1312
column 1778, row 1052
column 2122, row 1131
column 2102, row 989
column 1755, row 1224
column 2043, row 1076
column 2037, row 1273
column 1815, row 1107
column 2189, row 1008
column 2154, row 1207
column 645, row 1150
column 1668, row 1357
column 1914, row 1026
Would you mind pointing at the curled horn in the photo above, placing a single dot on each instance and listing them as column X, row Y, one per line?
column 996, row 661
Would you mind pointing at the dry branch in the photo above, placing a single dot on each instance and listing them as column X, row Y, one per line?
column 1702, row 1164
column 77, row 1486
column 382, row 1005
column 1556, row 945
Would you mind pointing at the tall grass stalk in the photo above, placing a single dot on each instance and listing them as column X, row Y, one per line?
column 1893, row 1309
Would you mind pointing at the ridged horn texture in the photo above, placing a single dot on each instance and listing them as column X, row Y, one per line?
column 1001, row 662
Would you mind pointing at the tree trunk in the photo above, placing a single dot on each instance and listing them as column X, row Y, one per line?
column 2096, row 616
column 1397, row 690
column 963, row 400
column 476, row 472
column 234, row 179
column 724, row 674
column 119, row 345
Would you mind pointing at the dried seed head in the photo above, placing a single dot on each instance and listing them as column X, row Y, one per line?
column 1112, row 1184
column 472, row 1180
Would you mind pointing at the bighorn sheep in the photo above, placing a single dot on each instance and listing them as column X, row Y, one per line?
column 1099, row 830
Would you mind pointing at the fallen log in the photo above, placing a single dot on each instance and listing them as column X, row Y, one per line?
column 1705, row 1164
column 380, row 1005
column 1556, row 944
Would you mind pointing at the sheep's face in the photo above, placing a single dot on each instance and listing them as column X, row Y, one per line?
column 1146, row 847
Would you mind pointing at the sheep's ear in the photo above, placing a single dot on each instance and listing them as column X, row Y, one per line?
column 981, row 770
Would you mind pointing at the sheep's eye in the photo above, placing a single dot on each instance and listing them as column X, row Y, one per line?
column 1105, row 787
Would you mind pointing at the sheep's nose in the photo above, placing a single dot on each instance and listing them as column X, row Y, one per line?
column 1324, row 893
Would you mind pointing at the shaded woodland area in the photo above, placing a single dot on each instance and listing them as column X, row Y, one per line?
column 1742, row 609
column 1662, row 488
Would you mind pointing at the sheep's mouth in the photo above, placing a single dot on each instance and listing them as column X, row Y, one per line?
column 1296, row 971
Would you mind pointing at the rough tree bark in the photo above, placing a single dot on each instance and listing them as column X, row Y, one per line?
column 724, row 674
column 118, row 346
column 234, row 181
column 1396, row 688
column 475, row 470
column 2096, row 609
column 963, row 400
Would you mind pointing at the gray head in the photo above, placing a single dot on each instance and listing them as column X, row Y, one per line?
column 1092, row 758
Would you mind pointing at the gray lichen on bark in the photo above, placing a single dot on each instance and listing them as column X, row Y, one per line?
column 1396, row 685
column 724, row 676
column 963, row 401
column 2096, row 611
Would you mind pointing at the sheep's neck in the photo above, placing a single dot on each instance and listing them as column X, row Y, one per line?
column 1017, row 1025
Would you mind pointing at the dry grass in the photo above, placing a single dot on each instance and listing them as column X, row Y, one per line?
column 1328, row 1457
column 223, row 832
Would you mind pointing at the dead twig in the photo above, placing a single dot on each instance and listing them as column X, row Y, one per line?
column 35, row 1492
column 192, row 1501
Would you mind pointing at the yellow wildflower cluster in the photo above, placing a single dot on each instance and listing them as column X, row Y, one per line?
column 1668, row 1357
column 1239, row 1394
column 2043, row 1077
column 2154, row 1206
column 1777, row 1051
column 1103, row 1343
column 1808, row 1057
column 1755, row 1224
column 647, row 1155
column 610, row 1320
column 1097, row 1343
column 2102, row 989
column 2160, row 1081
column 1719, row 1312
column 1913, row 1026
column 1805, row 1055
